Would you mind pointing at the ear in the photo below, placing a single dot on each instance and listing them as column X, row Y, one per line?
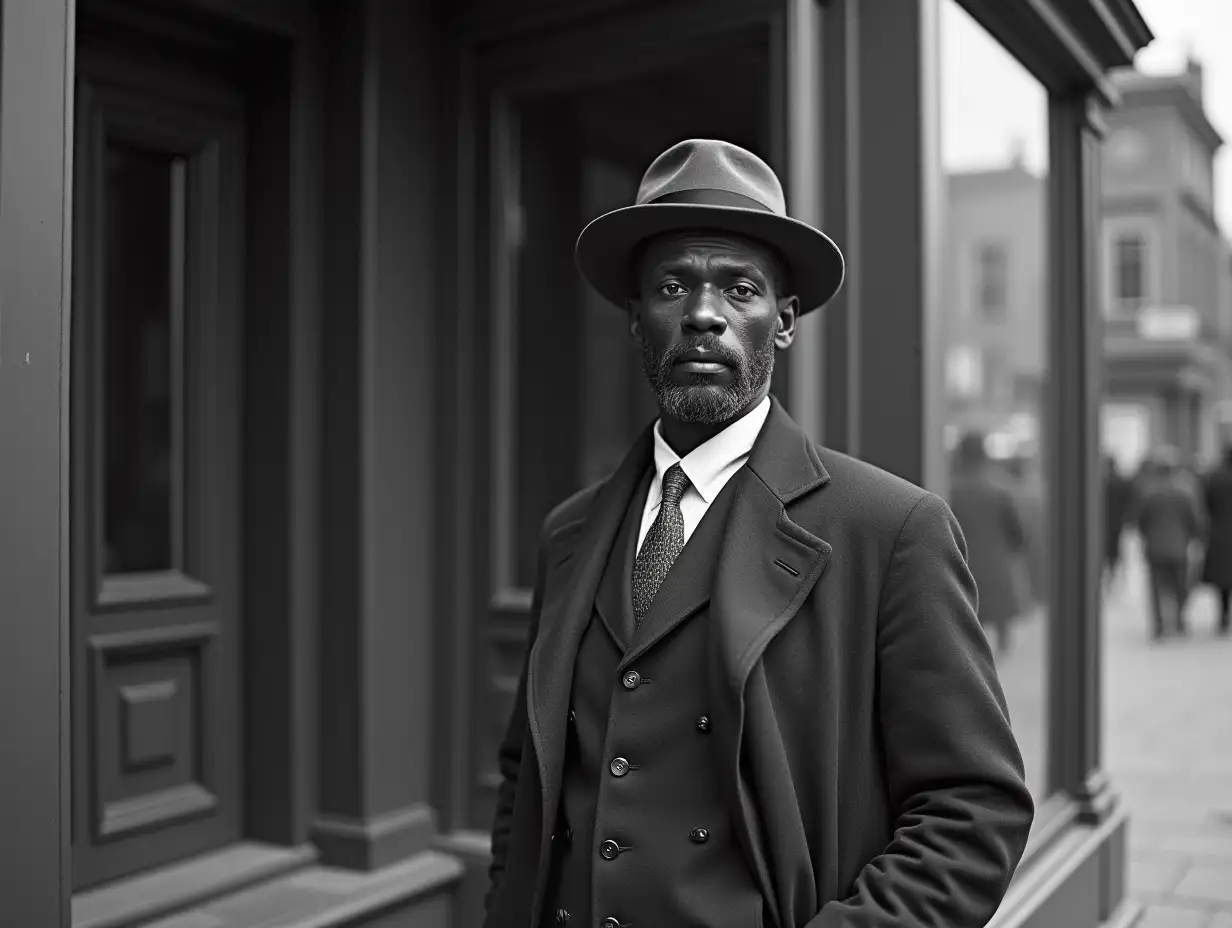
column 634, row 309
column 785, row 333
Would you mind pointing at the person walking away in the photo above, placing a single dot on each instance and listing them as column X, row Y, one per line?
column 1217, row 569
column 1118, row 493
column 1170, row 518
column 987, row 510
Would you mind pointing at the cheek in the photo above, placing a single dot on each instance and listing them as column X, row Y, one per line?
column 755, row 333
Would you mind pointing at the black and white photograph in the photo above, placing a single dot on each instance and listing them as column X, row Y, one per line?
column 616, row 463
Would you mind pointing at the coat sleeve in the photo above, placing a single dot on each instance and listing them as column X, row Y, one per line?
column 509, row 755
column 954, row 772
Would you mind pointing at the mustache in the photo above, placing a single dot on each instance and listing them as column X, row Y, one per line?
column 709, row 345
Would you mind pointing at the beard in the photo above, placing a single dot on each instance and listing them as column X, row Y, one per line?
column 702, row 401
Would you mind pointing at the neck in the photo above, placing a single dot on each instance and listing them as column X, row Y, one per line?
column 683, row 437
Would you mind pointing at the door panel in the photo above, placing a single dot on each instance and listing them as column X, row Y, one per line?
column 567, row 395
column 155, row 489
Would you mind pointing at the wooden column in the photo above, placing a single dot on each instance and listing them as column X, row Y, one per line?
column 36, row 107
column 839, row 168
column 883, row 142
column 1076, row 349
column 376, row 695
column 802, row 123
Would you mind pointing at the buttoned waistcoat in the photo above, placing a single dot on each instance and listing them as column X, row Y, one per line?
column 860, row 735
column 644, row 836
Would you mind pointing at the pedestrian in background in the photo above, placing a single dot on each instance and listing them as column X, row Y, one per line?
column 1172, row 521
column 1028, row 483
column 1217, row 566
column 986, row 507
column 1118, row 493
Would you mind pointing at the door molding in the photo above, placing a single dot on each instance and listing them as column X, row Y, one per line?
column 274, row 57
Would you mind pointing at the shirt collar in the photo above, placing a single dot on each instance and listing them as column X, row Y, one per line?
column 709, row 463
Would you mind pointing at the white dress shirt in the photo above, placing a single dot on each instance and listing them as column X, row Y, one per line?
column 708, row 466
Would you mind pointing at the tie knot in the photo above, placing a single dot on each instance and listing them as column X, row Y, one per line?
column 675, row 482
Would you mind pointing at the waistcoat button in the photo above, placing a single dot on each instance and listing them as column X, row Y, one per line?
column 703, row 723
column 620, row 767
column 610, row 922
column 699, row 836
column 609, row 850
column 632, row 679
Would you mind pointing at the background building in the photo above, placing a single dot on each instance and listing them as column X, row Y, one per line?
column 1165, row 269
column 291, row 367
column 1165, row 280
column 995, row 290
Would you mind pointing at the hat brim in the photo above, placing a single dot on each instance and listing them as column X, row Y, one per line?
column 605, row 246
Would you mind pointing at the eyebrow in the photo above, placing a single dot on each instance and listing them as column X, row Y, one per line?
column 732, row 268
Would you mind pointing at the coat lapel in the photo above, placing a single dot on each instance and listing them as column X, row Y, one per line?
column 768, row 564
column 766, row 569
column 568, row 601
column 614, row 597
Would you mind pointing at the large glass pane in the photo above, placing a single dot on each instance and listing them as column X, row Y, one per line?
column 1167, row 445
column 994, row 314
column 143, row 272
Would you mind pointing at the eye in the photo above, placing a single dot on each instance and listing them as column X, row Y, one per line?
column 743, row 291
column 671, row 288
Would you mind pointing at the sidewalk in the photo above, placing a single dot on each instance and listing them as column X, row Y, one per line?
column 1168, row 749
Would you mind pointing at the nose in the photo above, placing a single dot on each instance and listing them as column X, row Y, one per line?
column 703, row 314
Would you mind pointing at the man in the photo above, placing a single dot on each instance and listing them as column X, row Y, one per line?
column 1171, row 520
column 1118, row 493
column 756, row 693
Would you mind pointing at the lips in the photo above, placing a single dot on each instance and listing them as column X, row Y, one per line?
column 701, row 358
column 702, row 367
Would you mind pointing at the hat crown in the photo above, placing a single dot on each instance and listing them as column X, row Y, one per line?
column 698, row 167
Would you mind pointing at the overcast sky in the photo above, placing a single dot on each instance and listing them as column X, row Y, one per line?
column 990, row 104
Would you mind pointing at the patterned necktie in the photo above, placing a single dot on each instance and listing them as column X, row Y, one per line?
column 663, row 544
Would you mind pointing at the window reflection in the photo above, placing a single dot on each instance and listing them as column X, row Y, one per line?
column 994, row 314
column 143, row 248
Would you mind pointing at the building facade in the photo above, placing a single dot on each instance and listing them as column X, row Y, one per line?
column 995, row 293
column 1165, row 269
column 293, row 360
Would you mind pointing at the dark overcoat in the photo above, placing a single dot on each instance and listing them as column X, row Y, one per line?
column 1170, row 518
column 861, row 736
column 992, row 524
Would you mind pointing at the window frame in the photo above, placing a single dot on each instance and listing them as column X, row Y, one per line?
column 999, row 280
column 1114, row 230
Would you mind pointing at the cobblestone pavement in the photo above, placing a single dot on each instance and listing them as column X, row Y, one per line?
column 1167, row 746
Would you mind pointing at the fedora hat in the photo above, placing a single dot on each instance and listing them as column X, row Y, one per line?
column 714, row 185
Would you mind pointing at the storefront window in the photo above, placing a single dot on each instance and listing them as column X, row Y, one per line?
column 994, row 292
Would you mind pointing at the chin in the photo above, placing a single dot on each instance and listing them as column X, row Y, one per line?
column 700, row 404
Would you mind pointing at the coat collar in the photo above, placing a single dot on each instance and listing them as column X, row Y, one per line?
column 766, row 567
column 768, row 563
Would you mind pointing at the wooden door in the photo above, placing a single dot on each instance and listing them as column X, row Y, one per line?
column 566, row 395
column 155, row 535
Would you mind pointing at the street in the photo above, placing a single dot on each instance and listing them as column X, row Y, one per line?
column 1167, row 746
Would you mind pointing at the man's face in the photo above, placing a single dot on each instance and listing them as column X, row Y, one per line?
column 709, row 319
